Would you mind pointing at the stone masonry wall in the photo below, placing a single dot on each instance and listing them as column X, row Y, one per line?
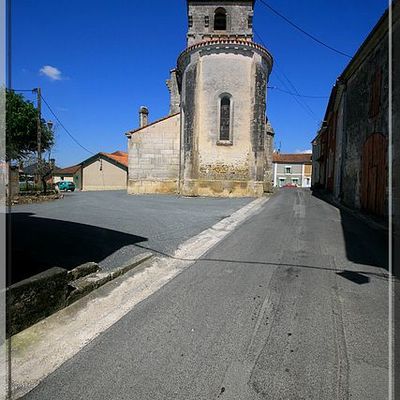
column 154, row 157
column 268, row 151
column 218, row 161
column 175, row 98
column 237, row 19
column 358, row 122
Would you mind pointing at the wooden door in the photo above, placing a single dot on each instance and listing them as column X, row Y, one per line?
column 374, row 174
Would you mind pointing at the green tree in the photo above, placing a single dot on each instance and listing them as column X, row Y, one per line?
column 21, row 128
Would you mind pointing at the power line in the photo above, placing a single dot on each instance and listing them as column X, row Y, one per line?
column 65, row 129
column 298, row 95
column 55, row 116
column 295, row 96
column 303, row 31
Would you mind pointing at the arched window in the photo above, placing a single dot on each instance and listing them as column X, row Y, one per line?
column 225, row 119
column 220, row 19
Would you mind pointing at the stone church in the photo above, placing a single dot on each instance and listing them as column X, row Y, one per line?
column 216, row 140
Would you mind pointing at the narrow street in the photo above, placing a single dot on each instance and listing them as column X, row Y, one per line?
column 292, row 305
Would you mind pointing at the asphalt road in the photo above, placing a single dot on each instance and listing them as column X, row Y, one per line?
column 291, row 306
column 106, row 227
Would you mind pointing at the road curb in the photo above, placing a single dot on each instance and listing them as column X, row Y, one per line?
column 86, row 284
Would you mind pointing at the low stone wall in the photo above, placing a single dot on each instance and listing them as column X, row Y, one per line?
column 149, row 187
column 33, row 299
column 221, row 188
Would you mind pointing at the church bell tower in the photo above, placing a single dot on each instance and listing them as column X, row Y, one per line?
column 223, row 77
column 209, row 20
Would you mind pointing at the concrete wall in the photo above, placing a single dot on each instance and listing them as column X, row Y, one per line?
column 103, row 175
column 238, row 13
column 154, row 157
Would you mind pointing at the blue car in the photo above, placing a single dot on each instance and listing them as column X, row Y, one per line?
column 66, row 185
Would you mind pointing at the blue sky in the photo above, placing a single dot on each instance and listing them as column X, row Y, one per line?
column 111, row 57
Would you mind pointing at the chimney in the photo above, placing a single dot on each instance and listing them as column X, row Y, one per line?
column 143, row 116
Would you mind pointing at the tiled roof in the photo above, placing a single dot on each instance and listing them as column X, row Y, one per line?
column 67, row 171
column 120, row 157
column 292, row 158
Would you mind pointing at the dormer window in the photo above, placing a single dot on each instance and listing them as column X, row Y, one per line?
column 220, row 19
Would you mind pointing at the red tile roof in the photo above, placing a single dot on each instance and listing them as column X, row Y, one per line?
column 67, row 171
column 292, row 158
column 120, row 157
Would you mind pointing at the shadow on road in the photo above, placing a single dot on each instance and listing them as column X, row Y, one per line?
column 359, row 277
column 365, row 244
column 38, row 244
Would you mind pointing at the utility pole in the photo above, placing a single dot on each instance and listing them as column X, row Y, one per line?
column 39, row 123
column 38, row 92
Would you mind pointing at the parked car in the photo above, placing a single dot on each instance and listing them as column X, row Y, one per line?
column 290, row 185
column 66, row 185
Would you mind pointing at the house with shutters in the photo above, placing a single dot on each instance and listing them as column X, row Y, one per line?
column 292, row 169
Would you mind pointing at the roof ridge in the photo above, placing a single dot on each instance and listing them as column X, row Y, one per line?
column 151, row 123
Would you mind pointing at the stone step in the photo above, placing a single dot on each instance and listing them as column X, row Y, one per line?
column 83, row 270
column 86, row 284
